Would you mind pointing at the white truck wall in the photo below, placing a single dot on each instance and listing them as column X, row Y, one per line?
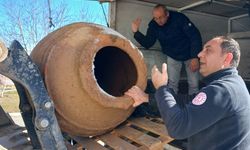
column 240, row 31
column 244, row 65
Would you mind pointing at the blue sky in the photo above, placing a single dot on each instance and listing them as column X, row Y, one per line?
column 93, row 6
column 76, row 11
column 73, row 8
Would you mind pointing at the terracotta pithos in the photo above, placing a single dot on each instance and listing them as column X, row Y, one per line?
column 86, row 69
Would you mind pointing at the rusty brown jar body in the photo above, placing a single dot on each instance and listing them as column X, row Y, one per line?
column 86, row 69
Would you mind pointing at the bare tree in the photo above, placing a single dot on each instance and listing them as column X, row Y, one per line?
column 29, row 22
column 87, row 14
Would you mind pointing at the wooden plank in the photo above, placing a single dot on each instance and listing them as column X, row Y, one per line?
column 139, row 137
column 116, row 142
column 157, row 120
column 77, row 146
column 88, row 143
column 156, row 128
column 149, row 125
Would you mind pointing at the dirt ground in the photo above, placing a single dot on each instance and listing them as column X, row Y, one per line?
column 10, row 101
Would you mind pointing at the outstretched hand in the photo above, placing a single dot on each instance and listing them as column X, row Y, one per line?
column 136, row 24
column 138, row 95
column 194, row 64
column 159, row 78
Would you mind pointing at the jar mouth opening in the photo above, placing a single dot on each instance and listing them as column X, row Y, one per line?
column 114, row 70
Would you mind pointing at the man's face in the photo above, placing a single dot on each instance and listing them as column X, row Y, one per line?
column 160, row 16
column 211, row 57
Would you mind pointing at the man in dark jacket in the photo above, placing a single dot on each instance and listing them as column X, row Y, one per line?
column 218, row 117
column 180, row 40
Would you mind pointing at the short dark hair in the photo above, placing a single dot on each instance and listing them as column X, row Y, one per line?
column 161, row 6
column 229, row 45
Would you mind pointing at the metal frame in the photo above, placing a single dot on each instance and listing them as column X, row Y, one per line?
column 193, row 5
column 35, row 104
column 233, row 18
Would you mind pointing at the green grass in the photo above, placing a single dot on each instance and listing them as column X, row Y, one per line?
column 10, row 101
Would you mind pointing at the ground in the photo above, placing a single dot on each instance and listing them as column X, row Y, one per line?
column 10, row 101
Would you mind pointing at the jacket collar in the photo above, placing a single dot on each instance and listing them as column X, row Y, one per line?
column 219, row 74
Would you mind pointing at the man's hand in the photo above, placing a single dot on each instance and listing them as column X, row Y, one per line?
column 194, row 64
column 136, row 24
column 138, row 95
column 159, row 79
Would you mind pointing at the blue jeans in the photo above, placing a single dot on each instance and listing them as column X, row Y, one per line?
column 174, row 71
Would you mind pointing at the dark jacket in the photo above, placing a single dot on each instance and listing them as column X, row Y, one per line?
column 217, row 119
column 179, row 38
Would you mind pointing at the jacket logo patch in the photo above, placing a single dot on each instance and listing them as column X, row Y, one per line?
column 199, row 99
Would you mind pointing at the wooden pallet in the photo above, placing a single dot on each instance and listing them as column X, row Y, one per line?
column 136, row 134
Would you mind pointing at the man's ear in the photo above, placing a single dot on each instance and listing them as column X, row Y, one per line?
column 228, row 59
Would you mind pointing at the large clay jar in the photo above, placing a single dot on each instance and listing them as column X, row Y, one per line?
column 86, row 69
